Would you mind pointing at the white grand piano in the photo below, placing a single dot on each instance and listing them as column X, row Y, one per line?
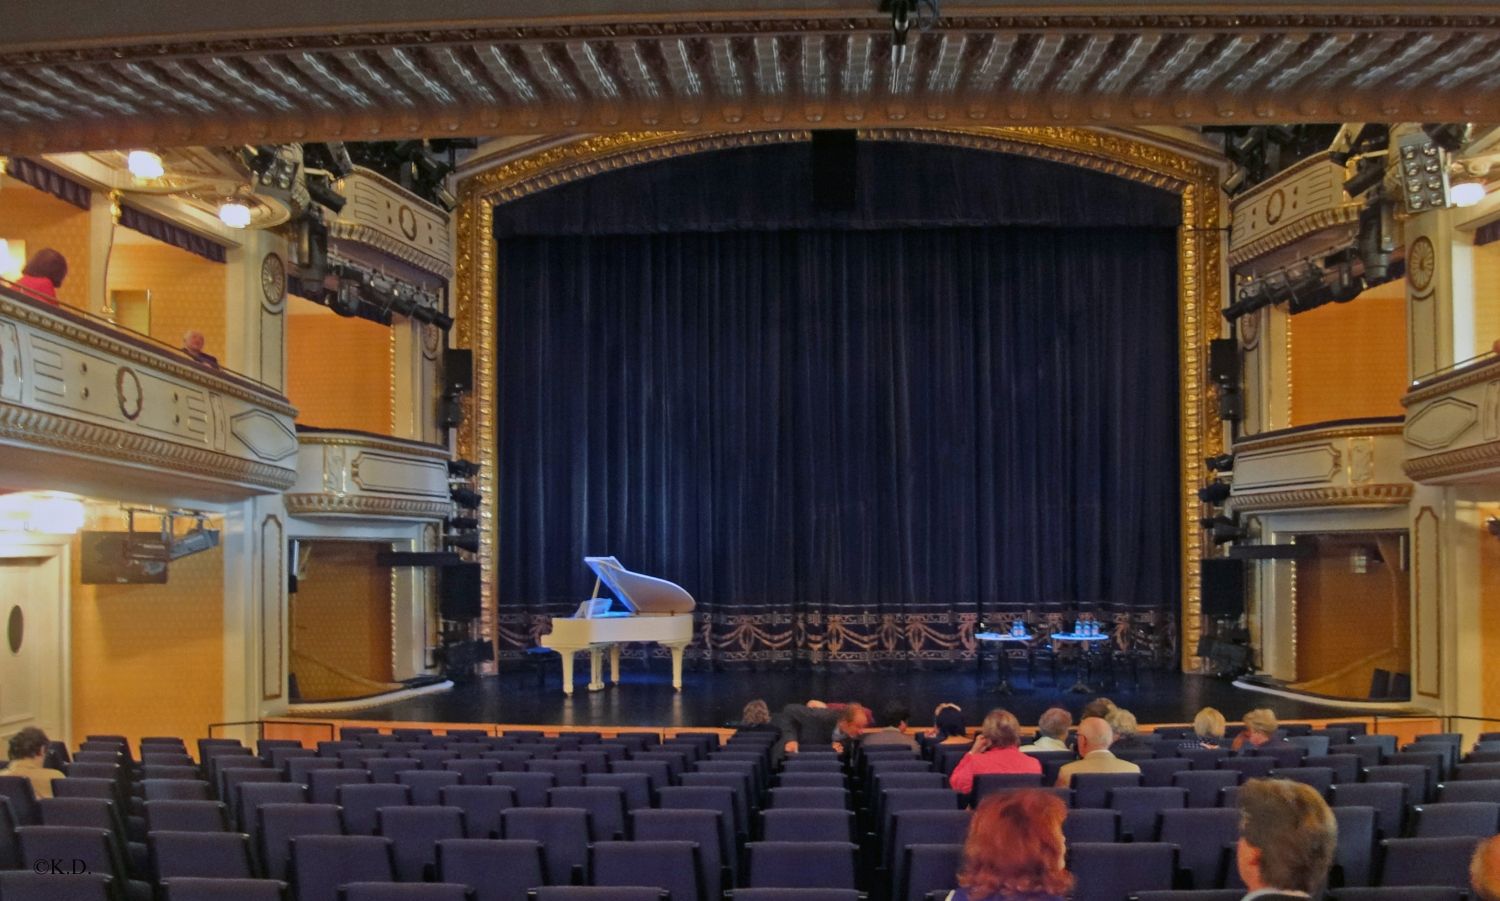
column 654, row 610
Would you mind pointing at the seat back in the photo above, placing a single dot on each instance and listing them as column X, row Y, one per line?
column 635, row 786
column 1250, row 767
column 1092, row 789
column 708, row 797
column 323, row 786
column 802, row 864
column 986, row 784
column 1140, row 806
column 414, row 833
column 254, row 794
column 530, row 788
column 207, row 855
column 1203, row 785
column 185, row 816
column 427, row 785
column 360, row 801
column 497, row 870
column 716, row 861
column 564, row 772
column 1416, row 778
column 563, row 833
column 1470, row 790
column 928, row 869
column 280, row 823
column 1319, row 778
column 24, row 885
column 1158, row 773
column 1427, row 893
column 1091, row 824
column 322, row 863
column 606, row 807
column 672, row 865
column 96, row 848
column 1426, row 861
column 482, row 806
column 1388, row 799
column 395, row 891
column 386, row 769
column 18, row 791
column 1113, row 872
column 1354, row 856
column 1456, row 818
column 795, row 824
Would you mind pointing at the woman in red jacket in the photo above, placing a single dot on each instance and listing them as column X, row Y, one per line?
column 44, row 274
column 996, row 750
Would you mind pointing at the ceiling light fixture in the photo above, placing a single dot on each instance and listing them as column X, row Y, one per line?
column 234, row 214
column 1466, row 193
column 144, row 164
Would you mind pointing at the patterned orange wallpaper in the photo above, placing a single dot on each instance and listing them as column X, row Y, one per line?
column 339, row 371
column 42, row 220
column 1489, row 611
column 1486, row 299
column 149, row 659
column 1349, row 360
column 1331, row 597
column 187, row 291
column 341, row 621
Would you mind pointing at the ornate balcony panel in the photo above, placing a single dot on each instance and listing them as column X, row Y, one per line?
column 1453, row 425
column 1351, row 463
column 383, row 217
column 88, row 408
column 343, row 475
column 1303, row 203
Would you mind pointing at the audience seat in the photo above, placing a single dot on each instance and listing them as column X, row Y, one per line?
column 24, row 885
column 1455, row 818
column 1426, row 861
column 1112, row 872
column 801, row 864
column 224, row 890
column 1354, row 856
column 1091, row 824
column 498, row 870
column 563, row 833
column 322, row 863
column 928, row 869
column 206, row 855
column 395, row 891
column 672, row 865
column 414, row 833
column 1200, row 836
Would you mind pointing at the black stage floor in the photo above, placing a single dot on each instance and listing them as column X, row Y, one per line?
column 708, row 698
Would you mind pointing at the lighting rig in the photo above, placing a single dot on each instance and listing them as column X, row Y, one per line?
column 903, row 14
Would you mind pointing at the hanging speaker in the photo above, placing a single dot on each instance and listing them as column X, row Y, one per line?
column 1223, row 361
column 835, row 179
column 458, row 369
column 1231, row 408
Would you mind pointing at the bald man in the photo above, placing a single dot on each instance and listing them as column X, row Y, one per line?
column 1484, row 870
column 1094, row 739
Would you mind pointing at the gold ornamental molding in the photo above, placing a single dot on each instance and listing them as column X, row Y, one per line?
column 35, row 427
column 157, row 360
column 1306, row 498
column 1200, row 257
column 1485, row 370
column 344, row 439
column 1342, row 215
column 1448, row 464
column 1306, row 436
column 370, row 237
column 354, row 505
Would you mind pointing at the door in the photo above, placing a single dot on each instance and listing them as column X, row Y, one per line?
column 33, row 653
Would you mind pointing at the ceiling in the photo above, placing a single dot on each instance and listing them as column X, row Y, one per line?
column 211, row 74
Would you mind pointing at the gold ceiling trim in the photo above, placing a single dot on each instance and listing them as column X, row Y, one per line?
column 1200, row 283
column 314, row 504
column 1342, row 215
column 35, row 428
column 1393, row 495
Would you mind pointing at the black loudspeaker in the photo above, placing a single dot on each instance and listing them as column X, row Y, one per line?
column 461, row 591
column 1223, row 361
column 1222, row 587
column 1231, row 407
column 458, row 369
column 835, row 160
column 450, row 412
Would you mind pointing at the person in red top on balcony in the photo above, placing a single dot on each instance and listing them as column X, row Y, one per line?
column 996, row 750
column 44, row 274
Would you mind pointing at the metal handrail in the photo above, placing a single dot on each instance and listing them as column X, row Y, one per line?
column 260, row 725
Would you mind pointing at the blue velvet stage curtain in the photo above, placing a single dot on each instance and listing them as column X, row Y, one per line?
column 849, row 438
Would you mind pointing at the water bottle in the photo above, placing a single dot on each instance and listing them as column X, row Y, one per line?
column 1078, row 626
column 1016, row 628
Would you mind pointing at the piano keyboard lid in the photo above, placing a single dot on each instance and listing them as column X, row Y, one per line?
column 640, row 594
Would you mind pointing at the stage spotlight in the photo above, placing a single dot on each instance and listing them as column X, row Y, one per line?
column 1225, row 529
column 463, row 541
column 1368, row 173
column 465, row 496
column 346, row 301
column 1451, row 136
column 461, row 523
column 462, row 469
column 1214, row 493
column 320, row 189
column 1221, row 463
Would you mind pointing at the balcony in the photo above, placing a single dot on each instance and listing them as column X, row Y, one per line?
column 356, row 475
column 1453, row 425
column 94, row 409
column 1349, row 463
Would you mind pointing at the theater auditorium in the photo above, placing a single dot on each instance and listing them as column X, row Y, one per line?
column 749, row 450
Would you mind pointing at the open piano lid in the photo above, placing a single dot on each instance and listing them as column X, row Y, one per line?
column 645, row 595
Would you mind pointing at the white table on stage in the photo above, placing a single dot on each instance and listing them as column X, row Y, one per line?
column 1088, row 642
column 1003, row 639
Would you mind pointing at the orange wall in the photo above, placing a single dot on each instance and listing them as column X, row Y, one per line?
column 1344, row 617
column 149, row 659
column 187, row 291
column 341, row 619
column 1486, row 298
column 1349, row 360
column 1489, row 612
column 339, row 371
column 42, row 220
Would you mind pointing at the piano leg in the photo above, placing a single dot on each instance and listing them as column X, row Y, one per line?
column 596, row 668
column 677, row 648
column 614, row 663
column 567, row 662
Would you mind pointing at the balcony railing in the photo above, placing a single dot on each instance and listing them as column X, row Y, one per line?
column 346, row 474
column 1453, row 424
column 89, row 407
column 1349, row 463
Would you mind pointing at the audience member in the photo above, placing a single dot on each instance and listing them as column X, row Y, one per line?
column 756, row 717
column 996, row 750
column 1099, row 707
column 44, row 274
column 1260, row 730
column 1127, row 732
column 1484, row 870
column 893, row 727
column 28, row 749
column 1208, row 731
column 804, row 724
column 1287, row 839
column 192, row 345
column 1052, row 729
column 1094, row 739
column 1015, row 850
column 947, row 726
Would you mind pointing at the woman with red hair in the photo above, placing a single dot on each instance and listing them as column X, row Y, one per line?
column 1015, row 850
column 44, row 274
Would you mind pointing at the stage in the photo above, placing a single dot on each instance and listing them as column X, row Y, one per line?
column 709, row 699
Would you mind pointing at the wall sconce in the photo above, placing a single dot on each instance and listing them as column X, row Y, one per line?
column 12, row 258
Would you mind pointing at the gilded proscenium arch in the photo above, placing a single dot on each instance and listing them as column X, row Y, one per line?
column 1200, row 263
